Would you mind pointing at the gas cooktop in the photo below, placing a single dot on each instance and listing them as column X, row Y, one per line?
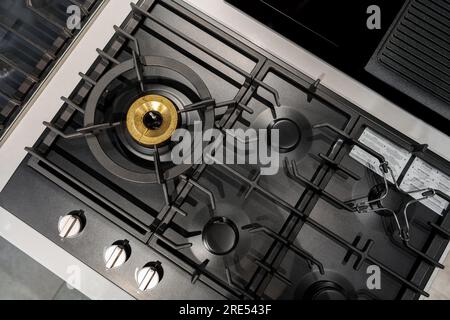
column 355, row 210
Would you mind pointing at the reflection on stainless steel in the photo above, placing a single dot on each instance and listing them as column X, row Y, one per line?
column 33, row 35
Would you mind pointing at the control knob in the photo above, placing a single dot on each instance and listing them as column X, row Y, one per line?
column 117, row 254
column 149, row 276
column 71, row 225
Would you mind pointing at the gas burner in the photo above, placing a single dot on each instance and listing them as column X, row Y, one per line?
column 151, row 120
column 216, row 232
column 221, row 242
column 295, row 131
column 136, row 138
column 393, row 203
column 149, row 109
column 220, row 235
column 290, row 134
column 330, row 286
column 379, row 200
column 393, row 208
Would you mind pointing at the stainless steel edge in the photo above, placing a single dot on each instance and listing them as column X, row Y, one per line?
column 41, row 86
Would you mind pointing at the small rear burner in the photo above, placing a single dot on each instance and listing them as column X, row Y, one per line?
column 295, row 130
column 220, row 235
column 290, row 134
column 392, row 200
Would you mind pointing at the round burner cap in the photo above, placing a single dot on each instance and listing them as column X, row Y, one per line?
column 325, row 290
column 152, row 119
column 289, row 134
column 220, row 235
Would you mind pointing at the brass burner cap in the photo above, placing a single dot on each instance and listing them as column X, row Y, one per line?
column 152, row 119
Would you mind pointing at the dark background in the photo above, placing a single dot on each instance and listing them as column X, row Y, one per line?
column 336, row 32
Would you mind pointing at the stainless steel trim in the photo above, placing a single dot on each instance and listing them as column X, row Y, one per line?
column 41, row 86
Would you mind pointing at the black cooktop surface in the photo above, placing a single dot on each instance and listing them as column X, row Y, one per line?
column 334, row 31
column 338, row 34
column 350, row 194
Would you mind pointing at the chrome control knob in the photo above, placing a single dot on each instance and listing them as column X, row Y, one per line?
column 117, row 254
column 71, row 225
column 149, row 276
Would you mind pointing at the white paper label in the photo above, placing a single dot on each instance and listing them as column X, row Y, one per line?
column 422, row 175
column 396, row 156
